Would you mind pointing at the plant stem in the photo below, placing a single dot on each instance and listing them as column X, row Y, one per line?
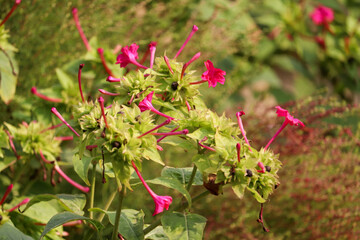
column 177, row 208
column 118, row 213
column 191, row 180
column 107, row 205
column 92, row 191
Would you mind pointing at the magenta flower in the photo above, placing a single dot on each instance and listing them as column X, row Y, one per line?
column 212, row 75
column 129, row 55
column 17, row 2
column 322, row 15
column 72, row 182
column 55, row 111
column 261, row 165
column 159, row 140
column 288, row 120
column 107, row 69
column 193, row 30
column 161, row 202
column 79, row 81
column 204, row 146
column 36, row 93
column 12, row 144
column 152, row 55
column 64, row 138
column 146, row 104
column 185, row 131
column 196, row 56
column 166, row 59
column 238, row 149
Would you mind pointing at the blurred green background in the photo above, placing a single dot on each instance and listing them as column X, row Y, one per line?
column 268, row 50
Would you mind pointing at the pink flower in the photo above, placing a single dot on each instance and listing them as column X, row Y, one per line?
column 55, row 111
column 146, row 104
column 129, row 55
column 78, row 26
column 322, row 15
column 193, row 30
column 213, row 75
column 161, row 202
column 69, row 180
column 7, row 192
column 36, row 93
column 288, row 120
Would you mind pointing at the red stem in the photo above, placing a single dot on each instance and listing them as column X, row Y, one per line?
column 17, row 2
column 78, row 26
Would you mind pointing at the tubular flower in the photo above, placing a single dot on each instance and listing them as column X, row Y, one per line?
column 161, row 202
column 146, row 104
column 101, row 102
column 54, row 111
column 79, row 81
column 152, row 55
column 7, row 192
column 36, row 93
column 261, row 165
column 288, row 120
column 108, row 93
column 196, row 56
column 17, row 2
column 72, row 182
column 193, row 30
column 129, row 55
column 238, row 115
column 167, row 121
column 322, row 15
column 78, row 26
column 112, row 79
column 107, row 69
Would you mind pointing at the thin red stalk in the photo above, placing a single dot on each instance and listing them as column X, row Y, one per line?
column 54, row 111
column 238, row 149
column 196, row 56
column 7, row 192
column 238, row 115
column 23, row 202
column 261, row 165
column 142, row 180
column 101, row 102
column 202, row 81
column 107, row 69
column 208, row 148
column 64, row 138
column 261, row 220
column 46, row 98
column 12, row 144
column 154, row 110
column 44, row 159
column 72, row 182
column 131, row 99
column 276, row 134
column 108, row 93
column 187, row 105
column 185, row 131
column 52, row 127
column 167, row 121
column 194, row 29
column 91, row 147
column 78, row 26
column 17, row 2
column 166, row 136
column 79, row 81
column 168, row 64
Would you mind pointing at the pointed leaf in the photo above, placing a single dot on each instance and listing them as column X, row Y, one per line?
column 81, row 167
column 179, row 226
column 182, row 174
column 9, row 232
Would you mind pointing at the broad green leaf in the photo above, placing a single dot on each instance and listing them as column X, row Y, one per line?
column 238, row 189
column 81, row 167
column 182, row 174
column 9, row 232
column 157, row 234
column 256, row 195
column 6, row 162
column 200, row 133
column 71, row 203
column 61, row 218
column 8, row 75
column 131, row 222
column 65, row 80
column 122, row 172
column 179, row 226
column 174, row 184
column 179, row 142
column 153, row 155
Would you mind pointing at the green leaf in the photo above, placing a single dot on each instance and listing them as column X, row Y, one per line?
column 174, row 184
column 131, row 222
column 122, row 172
column 6, row 162
column 179, row 226
column 65, row 80
column 61, row 218
column 71, row 203
column 239, row 189
column 157, row 234
column 179, row 142
column 182, row 175
column 256, row 195
column 8, row 75
column 81, row 167
column 153, row 155
column 9, row 232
